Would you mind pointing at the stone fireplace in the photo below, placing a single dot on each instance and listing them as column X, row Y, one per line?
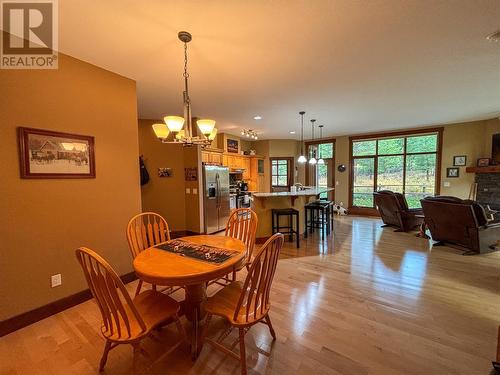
column 488, row 189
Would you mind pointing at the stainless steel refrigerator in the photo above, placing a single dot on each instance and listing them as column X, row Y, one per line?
column 215, row 197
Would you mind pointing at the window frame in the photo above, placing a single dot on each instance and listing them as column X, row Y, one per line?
column 379, row 136
column 310, row 171
column 290, row 172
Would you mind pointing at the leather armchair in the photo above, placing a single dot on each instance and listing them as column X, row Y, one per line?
column 394, row 210
column 460, row 222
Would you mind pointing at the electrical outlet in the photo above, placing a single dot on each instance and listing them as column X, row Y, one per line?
column 188, row 191
column 55, row 280
column 446, row 184
column 195, row 191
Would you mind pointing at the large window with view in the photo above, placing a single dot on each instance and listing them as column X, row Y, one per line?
column 404, row 164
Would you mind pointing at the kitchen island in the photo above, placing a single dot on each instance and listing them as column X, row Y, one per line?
column 263, row 203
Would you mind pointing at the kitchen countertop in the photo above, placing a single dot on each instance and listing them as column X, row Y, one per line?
column 300, row 193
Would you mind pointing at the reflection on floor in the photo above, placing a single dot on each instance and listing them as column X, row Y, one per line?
column 364, row 301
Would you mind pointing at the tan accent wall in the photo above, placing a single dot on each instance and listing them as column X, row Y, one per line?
column 167, row 195
column 164, row 195
column 43, row 221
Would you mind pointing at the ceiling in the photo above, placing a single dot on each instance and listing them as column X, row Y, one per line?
column 355, row 66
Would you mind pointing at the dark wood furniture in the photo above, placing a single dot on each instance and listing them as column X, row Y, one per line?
column 460, row 222
column 317, row 216
column 289, row 230
column 394, row 211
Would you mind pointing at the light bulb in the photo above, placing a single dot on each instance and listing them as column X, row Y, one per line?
column 312, row 161
column 174, row 123
column 206, row 126
column 242, row 132
column 161, row 130
column 321, row 161
column 180, row 134
column 302, row 159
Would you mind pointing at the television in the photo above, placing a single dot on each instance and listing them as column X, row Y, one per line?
column 495, row 149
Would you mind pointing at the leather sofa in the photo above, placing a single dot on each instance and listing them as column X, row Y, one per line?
column 394, row 210
column 460, row 222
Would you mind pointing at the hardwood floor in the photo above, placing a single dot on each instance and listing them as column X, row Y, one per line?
column 365, row 301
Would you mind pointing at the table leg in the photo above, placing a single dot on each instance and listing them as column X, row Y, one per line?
column 195, row 298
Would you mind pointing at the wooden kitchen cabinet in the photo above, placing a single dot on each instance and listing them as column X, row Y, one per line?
column 212, row 157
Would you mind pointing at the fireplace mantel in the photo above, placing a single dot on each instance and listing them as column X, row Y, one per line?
column 489, row 169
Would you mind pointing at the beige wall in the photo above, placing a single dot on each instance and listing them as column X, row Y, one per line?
column 167, row 195
column 164, row 195
column 43, row 221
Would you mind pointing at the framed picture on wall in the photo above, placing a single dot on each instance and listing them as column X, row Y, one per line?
column 232, row 145
column 50, row 154
column 483, row 162
column 459, row 161
column 452, row 172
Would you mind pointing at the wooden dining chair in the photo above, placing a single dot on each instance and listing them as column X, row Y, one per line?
column 242, row 225
column 126, row 321
column 146, row 230
column 244, row 304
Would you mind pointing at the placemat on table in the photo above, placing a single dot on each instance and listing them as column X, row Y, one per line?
column 204, row 253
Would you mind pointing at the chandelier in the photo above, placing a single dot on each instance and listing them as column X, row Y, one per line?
column 182, row 127
column 249, row 133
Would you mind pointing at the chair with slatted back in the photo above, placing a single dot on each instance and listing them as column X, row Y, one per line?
column 146, row 230
column 125, row 321
column 242, row 225
column 244, row 304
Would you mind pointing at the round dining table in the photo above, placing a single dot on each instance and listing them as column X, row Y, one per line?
column 160, row 267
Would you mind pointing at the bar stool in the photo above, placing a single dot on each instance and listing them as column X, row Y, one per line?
column 331, row 213
column 317, row 216
column 290, row 213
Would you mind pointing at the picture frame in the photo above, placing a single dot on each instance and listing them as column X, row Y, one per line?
column 232, row 145
column 452, row 172
column 46, row 154
column 190, row 174
column 483, row 162
column 460, row 161
column 165, row 172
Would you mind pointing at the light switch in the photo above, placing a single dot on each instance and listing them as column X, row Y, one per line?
column 195, row 191
column 337, row 182
column 188, row 191
column 446, row 184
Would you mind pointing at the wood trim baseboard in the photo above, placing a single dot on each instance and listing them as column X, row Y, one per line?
column 25, row 319
column 363, row 211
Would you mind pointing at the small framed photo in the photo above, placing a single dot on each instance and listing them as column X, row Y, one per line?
column 49, row 154
column 164, row 172
column 483, row 162
column 452, row 172
column 460, row 161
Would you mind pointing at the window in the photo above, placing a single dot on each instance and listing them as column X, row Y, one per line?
column 404, row 164
column 321, row 175
column 280, row 172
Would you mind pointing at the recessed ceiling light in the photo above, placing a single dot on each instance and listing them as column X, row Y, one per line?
column 292, row 131
column 495, row 37
column 257, row 117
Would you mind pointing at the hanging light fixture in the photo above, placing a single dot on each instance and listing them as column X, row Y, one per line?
column 312, row 160
column 320, row 160
column 302, row 159
column 182, row 127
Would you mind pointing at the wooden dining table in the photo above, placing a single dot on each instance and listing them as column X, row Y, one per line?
column 160, row 267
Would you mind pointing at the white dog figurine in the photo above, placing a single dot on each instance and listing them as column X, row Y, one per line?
column 339, row 208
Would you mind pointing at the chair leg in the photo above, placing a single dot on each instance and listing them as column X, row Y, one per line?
column 104, row 357
column 139, row 286
column 271, row 329
column 243, row 357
